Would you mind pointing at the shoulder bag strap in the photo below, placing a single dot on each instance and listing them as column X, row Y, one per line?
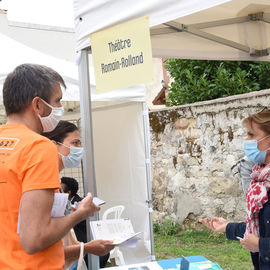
column 80, row 261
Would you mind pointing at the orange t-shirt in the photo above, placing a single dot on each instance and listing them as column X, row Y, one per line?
column 28, row 161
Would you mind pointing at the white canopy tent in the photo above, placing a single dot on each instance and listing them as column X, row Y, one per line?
column 225, row 30
column 13, row 53
column 32, row 22
column 210, row 29
column 237, row 30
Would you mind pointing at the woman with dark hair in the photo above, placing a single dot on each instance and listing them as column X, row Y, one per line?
column 67, row 137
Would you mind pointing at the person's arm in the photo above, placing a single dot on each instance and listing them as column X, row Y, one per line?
column 234, row 230
column 72, row 252
column 37, row 229
column 96, row 247
column 216, row 224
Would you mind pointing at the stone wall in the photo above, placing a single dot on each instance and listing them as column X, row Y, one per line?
column 193, row 148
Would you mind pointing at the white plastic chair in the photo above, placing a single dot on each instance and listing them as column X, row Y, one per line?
column 115, row 212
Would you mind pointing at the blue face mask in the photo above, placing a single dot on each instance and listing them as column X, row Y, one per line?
column 73, row 159
column 252, row 151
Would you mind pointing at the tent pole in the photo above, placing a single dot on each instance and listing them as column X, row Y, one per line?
column 148, row 175
column 89, row 177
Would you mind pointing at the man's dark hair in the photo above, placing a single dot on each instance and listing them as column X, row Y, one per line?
column 71, row 184
column 61, row 131
column 26, row 82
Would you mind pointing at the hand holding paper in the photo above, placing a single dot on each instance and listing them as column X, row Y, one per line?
column 125, row 240
column 87, row 207
column 119, row 231
column 96, row 201
column 98, row 247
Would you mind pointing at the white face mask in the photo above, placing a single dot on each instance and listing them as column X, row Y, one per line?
column 50, row 122
column 73, row 159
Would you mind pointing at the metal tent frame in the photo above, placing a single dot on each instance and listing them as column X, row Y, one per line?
column 195, row 29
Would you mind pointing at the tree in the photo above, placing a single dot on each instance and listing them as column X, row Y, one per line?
column 198, row 80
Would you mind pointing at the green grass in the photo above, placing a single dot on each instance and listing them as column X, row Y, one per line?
column 214, row 246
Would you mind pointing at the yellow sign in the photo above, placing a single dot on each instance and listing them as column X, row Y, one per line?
column 122, row 55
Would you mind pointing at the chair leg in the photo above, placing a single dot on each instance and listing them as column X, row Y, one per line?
column 119, row 258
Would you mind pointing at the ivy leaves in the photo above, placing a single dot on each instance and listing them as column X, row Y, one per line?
column 198, row 80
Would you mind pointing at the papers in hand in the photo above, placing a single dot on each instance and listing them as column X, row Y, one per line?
column 58, row 208
column 98, row 201
column 59, row 204
column 120, row 231
column 124, row 239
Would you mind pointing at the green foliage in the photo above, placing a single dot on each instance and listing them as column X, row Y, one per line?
column 168, row 227
column 156, row 228
column 214, row 246
column 198, row 80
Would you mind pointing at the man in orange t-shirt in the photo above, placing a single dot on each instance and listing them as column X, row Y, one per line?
column 29, row 172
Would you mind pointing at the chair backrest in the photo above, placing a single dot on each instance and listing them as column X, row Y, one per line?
column 115, row 212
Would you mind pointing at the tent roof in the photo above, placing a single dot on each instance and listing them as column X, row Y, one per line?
column 187, row 29
column 13, row 53
column 52, row 14
column 237, row 30
column 191, row 29
column 60, row 44
column 92, row 17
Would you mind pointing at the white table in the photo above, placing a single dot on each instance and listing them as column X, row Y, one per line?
column 150, row 265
